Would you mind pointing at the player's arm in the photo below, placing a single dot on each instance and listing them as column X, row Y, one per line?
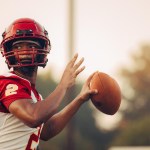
column 33, row 114
column 58, row 121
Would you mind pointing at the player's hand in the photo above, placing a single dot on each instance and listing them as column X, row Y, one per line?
column 86, row 92
column 72, row 70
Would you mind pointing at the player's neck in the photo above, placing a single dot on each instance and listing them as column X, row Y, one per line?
column 29, row 73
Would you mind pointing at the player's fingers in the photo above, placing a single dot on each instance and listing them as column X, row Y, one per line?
column 79, row 71
column 73, row 60
column 79, row 63
column 93, row 91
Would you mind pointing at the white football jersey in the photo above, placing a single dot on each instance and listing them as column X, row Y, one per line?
column 14, row 134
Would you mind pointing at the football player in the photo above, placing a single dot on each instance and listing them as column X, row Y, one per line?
column 24, row 116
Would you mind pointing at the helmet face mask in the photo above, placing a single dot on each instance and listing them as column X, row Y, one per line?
column 25, row 29
column 26, row 57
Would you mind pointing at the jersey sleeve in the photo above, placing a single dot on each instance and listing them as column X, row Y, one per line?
column 13, row 89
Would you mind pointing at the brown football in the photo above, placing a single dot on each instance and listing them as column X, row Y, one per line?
column 108, row 98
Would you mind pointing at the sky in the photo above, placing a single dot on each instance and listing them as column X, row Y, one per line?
column 106, row 32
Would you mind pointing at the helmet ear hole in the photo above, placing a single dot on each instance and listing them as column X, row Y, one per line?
column 25, row 29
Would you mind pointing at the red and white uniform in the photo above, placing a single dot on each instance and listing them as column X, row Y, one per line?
column 14, row 134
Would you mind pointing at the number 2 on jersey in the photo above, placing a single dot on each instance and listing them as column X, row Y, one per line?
column 11, row 89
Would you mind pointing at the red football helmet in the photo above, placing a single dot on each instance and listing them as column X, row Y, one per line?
column 25, row 29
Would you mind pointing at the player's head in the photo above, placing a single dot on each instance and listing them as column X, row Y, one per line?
column 33, row 36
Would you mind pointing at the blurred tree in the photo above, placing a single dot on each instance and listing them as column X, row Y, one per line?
column 136, row 84
column 136, row 95
column 137, row 133
column 45, row 84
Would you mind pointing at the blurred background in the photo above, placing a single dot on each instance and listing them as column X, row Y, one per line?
column 113, row 36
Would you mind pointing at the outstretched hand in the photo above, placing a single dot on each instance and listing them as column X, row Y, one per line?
column 72, row 70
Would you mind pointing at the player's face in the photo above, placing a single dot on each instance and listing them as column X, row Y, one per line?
column 25, row 52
